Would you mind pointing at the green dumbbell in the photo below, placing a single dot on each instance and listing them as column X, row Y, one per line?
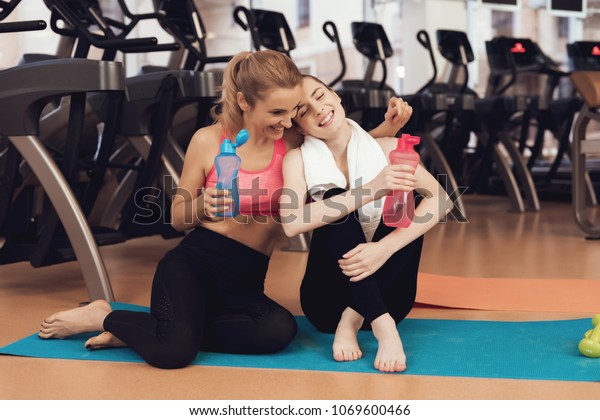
column 589, row 346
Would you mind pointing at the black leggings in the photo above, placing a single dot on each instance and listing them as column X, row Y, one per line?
column 207, row 294
column 326, row 292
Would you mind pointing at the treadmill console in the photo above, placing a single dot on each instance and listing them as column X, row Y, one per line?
column 371, row 41
column 523, row 52
column 584, row 55
column 455, row 46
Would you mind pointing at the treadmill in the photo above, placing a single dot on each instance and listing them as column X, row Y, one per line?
column 469, row 114
column 535, row 113
column 147, row 175
column 28, row 88
column 584, row 57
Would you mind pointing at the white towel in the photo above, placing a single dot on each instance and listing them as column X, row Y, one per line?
column 365, row 160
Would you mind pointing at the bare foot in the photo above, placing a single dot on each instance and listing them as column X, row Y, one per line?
column 88, row 318
column 390, row 353
column 103, row 341
column 345, row 343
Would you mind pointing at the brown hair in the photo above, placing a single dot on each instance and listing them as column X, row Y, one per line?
column 316, row 79
column 252, row 74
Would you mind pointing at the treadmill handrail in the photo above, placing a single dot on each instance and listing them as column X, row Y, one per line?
column 6, row 7
column 268, row 29
column 108, row 39
column 425, row 41
column 334, row 37
column 463, row 49
column 193, row 42
column 24, row 26
column 249, row 25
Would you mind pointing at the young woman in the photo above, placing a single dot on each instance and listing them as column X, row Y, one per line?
column 207, row 292
column 360, row 272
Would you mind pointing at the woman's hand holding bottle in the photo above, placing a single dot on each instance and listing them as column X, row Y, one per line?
column 398, row 177
column 216, row 203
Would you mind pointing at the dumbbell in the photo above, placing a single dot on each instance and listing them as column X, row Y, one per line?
column 589, row 345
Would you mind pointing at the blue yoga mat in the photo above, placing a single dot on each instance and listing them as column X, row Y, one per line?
column 542, row 350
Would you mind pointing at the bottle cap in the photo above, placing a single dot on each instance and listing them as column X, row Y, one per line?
column 241, row 138
column 227, row 148
column 406, row 141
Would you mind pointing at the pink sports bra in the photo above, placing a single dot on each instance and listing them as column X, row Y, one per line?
column 259, row 191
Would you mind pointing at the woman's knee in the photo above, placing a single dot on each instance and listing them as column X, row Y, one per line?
column 176, row 350
column 281, row 328
column 323, row 319
column 171, row 359
column 258, row 328
column 169, row 356
column 326, row 325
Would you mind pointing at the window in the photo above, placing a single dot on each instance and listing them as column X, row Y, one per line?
column 563, row 27
column 502, row 22
column 303, row 13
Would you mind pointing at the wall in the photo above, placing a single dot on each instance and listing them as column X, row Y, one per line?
column 402, row 19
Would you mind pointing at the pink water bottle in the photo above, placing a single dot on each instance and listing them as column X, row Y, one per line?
column 399, row 206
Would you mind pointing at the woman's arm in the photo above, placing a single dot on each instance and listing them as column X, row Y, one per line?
column 435, row 205
column 365, row 259
column 397, row 115
column 191, row 205
column 297, row 216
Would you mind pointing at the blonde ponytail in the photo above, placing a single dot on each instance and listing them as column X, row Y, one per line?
column 252, row 74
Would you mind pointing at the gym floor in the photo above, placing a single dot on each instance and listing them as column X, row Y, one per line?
column 494, row 243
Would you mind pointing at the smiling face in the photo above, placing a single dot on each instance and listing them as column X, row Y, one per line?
column 271, row 115
column 320, row 114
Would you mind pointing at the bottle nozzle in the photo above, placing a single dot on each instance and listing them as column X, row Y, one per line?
column 241, row 138
column 407, row 141
column 227, row 147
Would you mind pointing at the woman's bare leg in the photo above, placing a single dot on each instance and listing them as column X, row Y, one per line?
column 89, row 318
column 345, row 343
column 390, row 353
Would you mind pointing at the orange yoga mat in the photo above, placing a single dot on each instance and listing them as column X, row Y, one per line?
column 507, row 294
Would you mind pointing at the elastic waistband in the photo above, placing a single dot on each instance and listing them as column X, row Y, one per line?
column 239, row 257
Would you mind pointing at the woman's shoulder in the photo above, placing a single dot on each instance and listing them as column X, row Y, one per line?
column 207, row 137
column 204, row 146
column 387, row 144
column 293, row 168
column 293, row 157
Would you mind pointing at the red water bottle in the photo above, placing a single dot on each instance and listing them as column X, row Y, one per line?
column 399, row 206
